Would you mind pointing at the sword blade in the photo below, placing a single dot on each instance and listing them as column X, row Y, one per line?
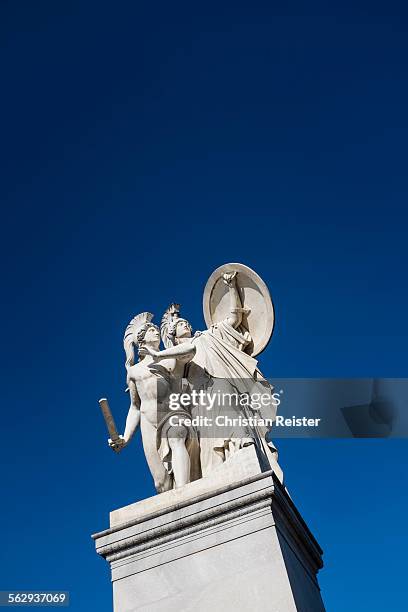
column 110, row 423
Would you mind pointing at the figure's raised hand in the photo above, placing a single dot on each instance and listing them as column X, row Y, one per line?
column 229, row 278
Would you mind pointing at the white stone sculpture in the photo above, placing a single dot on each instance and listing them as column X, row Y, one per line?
column 220, row 360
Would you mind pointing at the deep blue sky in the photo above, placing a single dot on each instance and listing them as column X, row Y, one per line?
column 143, row 145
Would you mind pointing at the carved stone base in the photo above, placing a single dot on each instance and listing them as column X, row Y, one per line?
column 232, row 541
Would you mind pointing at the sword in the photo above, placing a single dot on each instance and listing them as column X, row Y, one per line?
column 117, row 441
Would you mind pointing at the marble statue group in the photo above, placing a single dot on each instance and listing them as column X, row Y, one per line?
column 219, row 360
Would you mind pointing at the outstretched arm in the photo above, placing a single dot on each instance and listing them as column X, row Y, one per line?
column 184, row 351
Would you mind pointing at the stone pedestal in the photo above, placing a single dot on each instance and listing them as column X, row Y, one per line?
column 232, row 541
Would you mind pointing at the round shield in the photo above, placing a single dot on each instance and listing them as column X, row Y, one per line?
column 255, row 297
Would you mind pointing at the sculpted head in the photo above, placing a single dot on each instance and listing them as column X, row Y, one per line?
column 179, row 329
column 174, row 329
column 140, row 332
column 149, row 335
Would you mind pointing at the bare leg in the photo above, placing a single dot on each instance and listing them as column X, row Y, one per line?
column 180, row 458
column 162, row 480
